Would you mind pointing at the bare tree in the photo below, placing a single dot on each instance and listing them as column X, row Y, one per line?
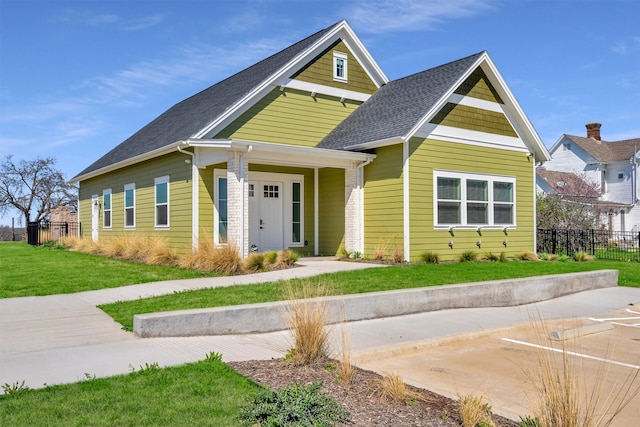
column 34, row 187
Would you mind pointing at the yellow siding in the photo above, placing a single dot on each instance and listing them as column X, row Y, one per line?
column 465, row 117
column 320, row 71
column 479, row 86
column 427, row 155
column 383, row 200
column 205, row 202
column 331, row 210
column 290, row 117
column 142, row 175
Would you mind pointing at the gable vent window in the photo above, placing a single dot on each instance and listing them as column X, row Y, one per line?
column 340, row 66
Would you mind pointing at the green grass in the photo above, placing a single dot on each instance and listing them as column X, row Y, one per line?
column 32, row 271
column 197, row 394
column 372, row 280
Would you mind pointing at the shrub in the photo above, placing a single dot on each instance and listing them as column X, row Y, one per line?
column 207, row 257
column 582, row 256
column 430, row 258
column 527, row 256
column 467, row 256
column 270, row 258
column 393, row 387
column 294, row 405
column 490, row 256
column 254, row 262
column 474, row 411
column 287, row 258
column 306, row 320
column 398, row 256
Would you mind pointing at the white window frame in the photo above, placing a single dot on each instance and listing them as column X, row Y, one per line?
column 128, row 187
column 339, row 56
column 107, row 192
column 463, row 177
column 156, row 182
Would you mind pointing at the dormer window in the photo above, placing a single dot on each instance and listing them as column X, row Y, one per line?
column 340, row 66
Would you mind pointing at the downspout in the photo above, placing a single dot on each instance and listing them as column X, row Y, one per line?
column 194, row 196
column 242, row 194
column 360, row 187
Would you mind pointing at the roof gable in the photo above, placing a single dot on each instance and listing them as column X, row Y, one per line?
column 199, row 114
column 604, row 151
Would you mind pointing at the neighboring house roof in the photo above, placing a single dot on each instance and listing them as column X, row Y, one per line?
column 191, row 115
column 606, row 151
column 568, row 184
column 397, row 106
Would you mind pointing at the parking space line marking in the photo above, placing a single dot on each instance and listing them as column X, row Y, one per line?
column 613, row 318
column 572, row 353
column 633, row 325
column 634, row 312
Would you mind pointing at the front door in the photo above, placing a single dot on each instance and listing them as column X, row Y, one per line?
column 265, row 216
column 95, row 217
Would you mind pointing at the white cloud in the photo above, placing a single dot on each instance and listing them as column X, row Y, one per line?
column 392, row 15
column 143, row 23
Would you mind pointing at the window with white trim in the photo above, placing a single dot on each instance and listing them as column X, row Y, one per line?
column 296, row 212
column 340, row 66
column 162, row 201
column 221, row 209
column 106, row 208
column 130, row 206
column 463, row 199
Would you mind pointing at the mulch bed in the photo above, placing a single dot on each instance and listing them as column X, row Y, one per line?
column 362, row 396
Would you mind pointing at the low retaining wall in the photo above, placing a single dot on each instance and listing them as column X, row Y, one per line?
column 268, row 317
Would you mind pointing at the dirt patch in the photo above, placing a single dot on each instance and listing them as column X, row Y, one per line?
column 362, row 395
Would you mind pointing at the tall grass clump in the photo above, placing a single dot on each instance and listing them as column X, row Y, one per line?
column 468, row 256
column 286, row 258
column 392, row 387
column 582, row 256
column 430, row 258
column 527, row 256
column 207, row 257
column 254, row 262
column 306, row 316
column 561, row 395
column 381, row 250
column 345, row 370
column 474, row 411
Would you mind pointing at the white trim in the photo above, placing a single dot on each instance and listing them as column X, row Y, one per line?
column 470, row 101
column 406, row 202
column 463, row 177
column 345, row 65
column 156, row 181
column 316, row 212
column 110, row 193
column 195, row 205
column 127, row 187
column 217, row 175
column 325, row 90
column 472, row 137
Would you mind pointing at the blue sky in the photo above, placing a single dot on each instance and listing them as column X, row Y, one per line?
column 79, row 77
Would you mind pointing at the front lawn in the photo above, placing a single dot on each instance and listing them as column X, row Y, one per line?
column 196, row 394
column 31, row 271
column 371, row 280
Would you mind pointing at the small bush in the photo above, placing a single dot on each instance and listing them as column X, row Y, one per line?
column 490, row 256
column 527, row 256
column 430, row 258
column 398, row 256
column 582, row 256
column 287, row 258
column 254, row 262
column 294, row 405
column 474, row 411
column 467, row 256
column 392, row 387
column 270, row 258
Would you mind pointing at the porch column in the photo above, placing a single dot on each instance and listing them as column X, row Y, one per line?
column 237, row 202
column 351, row 211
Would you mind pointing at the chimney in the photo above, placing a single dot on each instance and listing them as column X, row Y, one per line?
column 593, row 131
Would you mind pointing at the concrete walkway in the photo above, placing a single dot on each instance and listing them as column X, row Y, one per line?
column 65, row 338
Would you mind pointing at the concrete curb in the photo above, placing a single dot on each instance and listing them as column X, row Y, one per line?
column 268, row 317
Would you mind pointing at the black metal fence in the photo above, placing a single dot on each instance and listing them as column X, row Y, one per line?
column 45, row 231
column 603, row 244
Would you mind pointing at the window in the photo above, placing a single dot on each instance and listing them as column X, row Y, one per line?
column 473, row 200
column 222, row 210
column 620, row 175
column 296, row 213
column 162, row 201
column 129, row 206
column 340, row 66
column 271, row 191
column 106, row 208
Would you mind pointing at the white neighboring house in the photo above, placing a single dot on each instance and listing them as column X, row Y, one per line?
column 611, row 165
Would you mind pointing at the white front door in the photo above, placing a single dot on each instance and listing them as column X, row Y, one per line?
column 95, row 217
column 266, row 222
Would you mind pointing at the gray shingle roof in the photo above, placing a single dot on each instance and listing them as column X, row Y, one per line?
column 191, row 115
column 397, row 106
column 604, row 151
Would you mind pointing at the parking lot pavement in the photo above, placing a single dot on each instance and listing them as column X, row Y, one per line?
column 504, row 363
